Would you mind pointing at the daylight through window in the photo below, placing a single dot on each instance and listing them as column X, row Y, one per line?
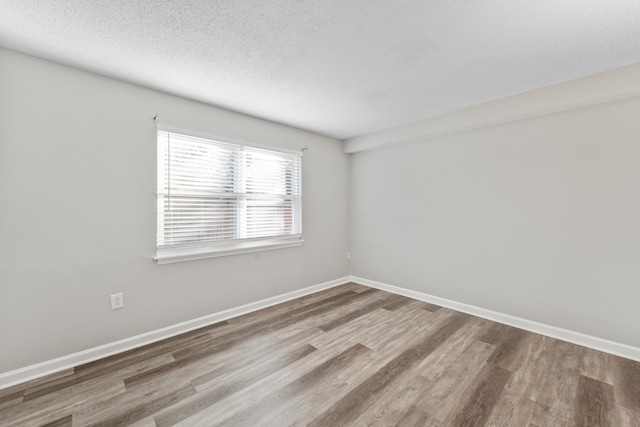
column 219, row 197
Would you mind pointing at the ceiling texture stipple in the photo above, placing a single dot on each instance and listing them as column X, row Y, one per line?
column 338, row 68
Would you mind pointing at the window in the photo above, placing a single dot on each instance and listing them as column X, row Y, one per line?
column 216, row 198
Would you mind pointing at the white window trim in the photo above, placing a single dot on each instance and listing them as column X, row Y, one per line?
column 221, row 138
column 175, row 255
column 169, row 256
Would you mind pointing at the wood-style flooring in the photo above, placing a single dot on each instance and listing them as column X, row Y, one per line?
column 349, row 355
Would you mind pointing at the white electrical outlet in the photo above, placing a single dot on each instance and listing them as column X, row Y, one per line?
column 117, row 301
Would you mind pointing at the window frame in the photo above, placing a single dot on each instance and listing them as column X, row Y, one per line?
column 177, row 253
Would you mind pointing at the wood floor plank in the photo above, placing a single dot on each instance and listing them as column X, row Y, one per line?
column 512, row 347
column 396, row 400
column 628, row 379
column 599, row 366
column 146, row 422
column 482, row 396
column 314, row 402
column 263, row 357
column 387, row 411
column 344, row 336
column 51, row 407
column 349, row 407
column 254, row 393
column 132, row 362
column 402, row 327
column 441, row 396
column 318, row 307
column 10, row 393
column 220, row 389
column 414, row 416
column 397, row 302
column 216, row 351
column 61, row 422
column 169, row 372
column 127, row 409
column 311, row 402
column 355, row 287
column 254, row 413
column 434, row 365
column 555, row 391
column 625, row 417
column 388, row 301
column 266, row 314
column 380, row 329
column 521, row 414
column 594, row 403
column 119, row 371
column 212, row 366
column 148, row 351
column 11, row 399
column 525, row 380
column 345, row 356
column 308, row 314
column 430, row 307
column 503, row 408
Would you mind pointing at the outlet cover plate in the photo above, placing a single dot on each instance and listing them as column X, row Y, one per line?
column 117, row 301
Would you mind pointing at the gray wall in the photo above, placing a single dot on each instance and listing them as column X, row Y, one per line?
column 538, row 219
column 77, row 214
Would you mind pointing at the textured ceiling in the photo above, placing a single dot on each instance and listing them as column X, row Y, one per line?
column 339, row 68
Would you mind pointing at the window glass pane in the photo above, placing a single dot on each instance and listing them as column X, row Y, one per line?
column 211, row 192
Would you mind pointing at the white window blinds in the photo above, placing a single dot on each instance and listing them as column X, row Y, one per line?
column 216, row 194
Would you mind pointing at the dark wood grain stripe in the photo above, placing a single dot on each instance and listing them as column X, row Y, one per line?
column 594, row 403
column 12, row 398
column 60, row 422
column 507, row 341
column 397, row 302
column 485, row 394
column 430, row 307
column 366, row 309
column 46, row 381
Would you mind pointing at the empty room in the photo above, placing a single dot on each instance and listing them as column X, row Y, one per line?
column 319, row 213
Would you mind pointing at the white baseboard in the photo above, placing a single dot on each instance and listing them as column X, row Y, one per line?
column 49, row 367
column 573, row 337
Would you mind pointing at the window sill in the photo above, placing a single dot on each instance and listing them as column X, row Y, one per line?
column 169, row 256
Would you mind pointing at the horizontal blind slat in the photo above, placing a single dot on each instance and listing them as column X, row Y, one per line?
column 212, row 191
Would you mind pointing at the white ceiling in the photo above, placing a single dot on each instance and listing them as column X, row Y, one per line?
column 339, row 68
